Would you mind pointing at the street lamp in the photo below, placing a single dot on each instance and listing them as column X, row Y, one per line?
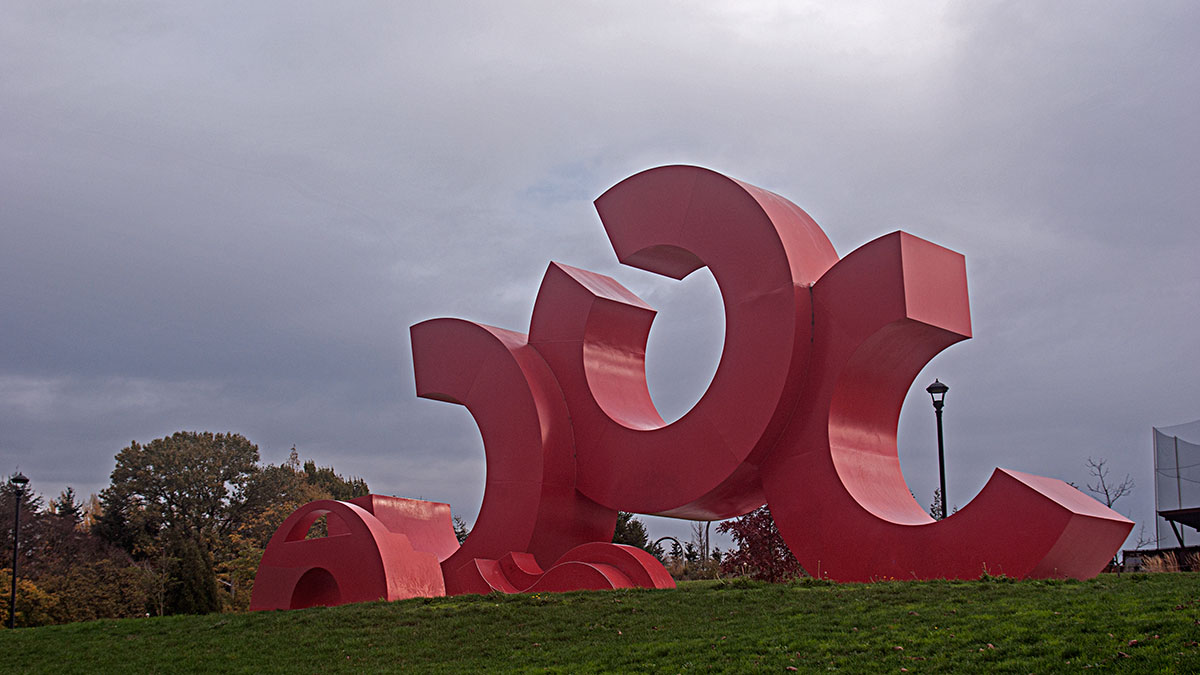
column 18, row 481
column 937, row 392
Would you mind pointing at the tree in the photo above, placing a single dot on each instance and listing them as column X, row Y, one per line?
column 935, row 507
column 91, row 512
column 700, row 535
column 99, row 589
column 188, row 482
column 631, row 532
column 677, row 550
column 30, row 529
column 1104, row 489
column 67, row 574
column 273, row 494
column 172, row 504
column 196, row 510
column 325, row 479
column 461, row 532
column 34, row 606
column 66, row 507
column 192, row 586
column 761, row 552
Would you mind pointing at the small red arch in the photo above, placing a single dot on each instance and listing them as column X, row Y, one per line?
column 316, row 588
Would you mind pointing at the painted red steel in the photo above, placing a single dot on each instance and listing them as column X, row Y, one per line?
column 530, row 504
column 763, row 252
column 834, row 483
column 801, row 414
column 359, row 561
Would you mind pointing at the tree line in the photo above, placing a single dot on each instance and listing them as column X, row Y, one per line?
column 184, row 521
column 180, row 529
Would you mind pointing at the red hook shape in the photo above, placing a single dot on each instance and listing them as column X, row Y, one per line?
column 763, row 252
column 834, row 483
column 530, row 503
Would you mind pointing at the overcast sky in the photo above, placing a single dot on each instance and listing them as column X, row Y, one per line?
column 225, row 216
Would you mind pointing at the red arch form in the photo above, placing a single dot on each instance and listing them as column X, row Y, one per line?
column 316, row 588
column 595, row 566
column 530, row 503
column 834, row 483
column 763, row 252
column 361, row 557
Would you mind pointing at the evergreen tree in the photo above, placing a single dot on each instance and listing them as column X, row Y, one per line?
column 460, row 529
column 192, row 586
column 631, row 532
column 676, row 550
column 325, row 479
column 67, row 508
column 935, row 508
column 31, row 531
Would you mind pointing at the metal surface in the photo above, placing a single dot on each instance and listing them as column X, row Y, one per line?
column 880, row 314
column 530, row 504
column 1189, row 517
column 764, row 252
column 360, row 560
column 801, row 414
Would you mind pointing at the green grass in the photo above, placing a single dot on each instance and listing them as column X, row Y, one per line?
column 945, row 626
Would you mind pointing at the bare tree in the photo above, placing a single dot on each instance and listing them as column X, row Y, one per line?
column 1109, row 492
column 700, row 530
column 1142, row 540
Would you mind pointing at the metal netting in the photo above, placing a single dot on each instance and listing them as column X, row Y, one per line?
column 1176, row 477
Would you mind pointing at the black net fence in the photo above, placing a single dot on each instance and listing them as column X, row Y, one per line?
column 1177, row 481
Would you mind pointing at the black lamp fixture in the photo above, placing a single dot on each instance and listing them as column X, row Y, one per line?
column 18, row 481
column 937, row 392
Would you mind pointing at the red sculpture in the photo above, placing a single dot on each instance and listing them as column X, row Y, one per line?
column 801, row 414
column 363, row 558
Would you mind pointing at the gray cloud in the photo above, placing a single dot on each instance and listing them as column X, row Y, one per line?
column 226, row 217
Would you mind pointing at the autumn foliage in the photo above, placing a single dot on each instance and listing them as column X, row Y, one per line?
column 761, row 553
column 179, row 530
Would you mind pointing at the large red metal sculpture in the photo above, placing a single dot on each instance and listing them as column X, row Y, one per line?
column 801, row 414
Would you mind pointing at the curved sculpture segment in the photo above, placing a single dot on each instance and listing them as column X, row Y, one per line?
column 801, row 414
column 360, row 560
column 597, row 566
column 763, row 252
column 530, row 503
column 835, row 481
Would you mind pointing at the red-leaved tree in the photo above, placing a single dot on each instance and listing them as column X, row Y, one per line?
column 760, row 553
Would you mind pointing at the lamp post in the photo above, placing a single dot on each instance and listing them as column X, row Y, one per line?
column 18, row 481
column 937, row 392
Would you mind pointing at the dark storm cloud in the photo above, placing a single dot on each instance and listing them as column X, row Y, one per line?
column 226, row 218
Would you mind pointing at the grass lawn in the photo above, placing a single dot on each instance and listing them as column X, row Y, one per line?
column 1135, row 623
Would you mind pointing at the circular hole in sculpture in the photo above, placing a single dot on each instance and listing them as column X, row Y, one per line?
column 316, row 588
column 917, row 444
column 453, row 469
column 686, row 340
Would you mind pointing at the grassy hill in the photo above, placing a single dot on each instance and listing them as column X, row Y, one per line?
column 1136, row 623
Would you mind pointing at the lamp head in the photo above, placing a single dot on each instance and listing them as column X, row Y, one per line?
column 937, row 392
column 19, row 480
